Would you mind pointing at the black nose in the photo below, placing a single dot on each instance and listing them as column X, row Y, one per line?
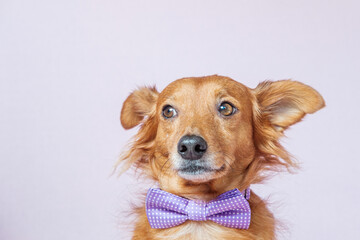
column 192, row 147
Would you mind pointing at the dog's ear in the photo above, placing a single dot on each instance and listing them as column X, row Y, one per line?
column 286, row 102
column 139, row 104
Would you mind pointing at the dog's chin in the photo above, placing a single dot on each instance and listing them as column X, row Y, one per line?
column 200, row 174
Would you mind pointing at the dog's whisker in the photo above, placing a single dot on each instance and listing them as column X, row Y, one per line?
column 162, row 168
column 225, row 159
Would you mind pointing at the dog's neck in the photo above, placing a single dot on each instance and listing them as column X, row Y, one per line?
column 200, row 197
column 203, row 191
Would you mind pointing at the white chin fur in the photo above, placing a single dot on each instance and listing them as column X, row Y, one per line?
column 196, row 177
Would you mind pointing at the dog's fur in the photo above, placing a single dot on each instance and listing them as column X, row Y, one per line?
column 242, row 147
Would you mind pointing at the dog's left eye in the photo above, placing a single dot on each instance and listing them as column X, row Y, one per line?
column 226, row 109
column 169, row 112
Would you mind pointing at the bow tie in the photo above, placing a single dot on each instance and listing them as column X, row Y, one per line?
column 166, row 210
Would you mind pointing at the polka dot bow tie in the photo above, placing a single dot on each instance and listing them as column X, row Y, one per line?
column 166, row 210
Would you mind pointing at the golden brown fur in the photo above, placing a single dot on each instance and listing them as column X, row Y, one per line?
column 243, row 146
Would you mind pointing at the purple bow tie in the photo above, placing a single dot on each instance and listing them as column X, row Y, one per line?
column 166, row 210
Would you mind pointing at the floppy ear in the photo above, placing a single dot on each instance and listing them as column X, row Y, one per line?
column 139, row 104
column 286, row 102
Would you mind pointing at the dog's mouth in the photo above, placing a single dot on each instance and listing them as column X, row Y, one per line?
column 194, row 170
column 199, row 171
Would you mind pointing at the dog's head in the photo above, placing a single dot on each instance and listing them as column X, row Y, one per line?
column 203, row 136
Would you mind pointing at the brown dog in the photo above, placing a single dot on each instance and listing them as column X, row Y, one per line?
column 233, row 132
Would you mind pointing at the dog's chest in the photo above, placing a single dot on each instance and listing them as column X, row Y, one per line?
column 199, row 230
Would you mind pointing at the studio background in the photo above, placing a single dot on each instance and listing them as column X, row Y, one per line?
column 67, row 66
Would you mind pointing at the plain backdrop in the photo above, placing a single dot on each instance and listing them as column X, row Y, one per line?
column 66, row 67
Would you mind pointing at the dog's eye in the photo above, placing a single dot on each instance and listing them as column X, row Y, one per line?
column 169, row 112
column 226, row 109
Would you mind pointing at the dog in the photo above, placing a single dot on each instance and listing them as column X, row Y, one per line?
column 204, row 136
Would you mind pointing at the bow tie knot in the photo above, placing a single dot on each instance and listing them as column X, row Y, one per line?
column 230, row 209
column 196, row 210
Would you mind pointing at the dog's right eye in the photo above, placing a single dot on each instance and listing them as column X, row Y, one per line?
column 169, row 112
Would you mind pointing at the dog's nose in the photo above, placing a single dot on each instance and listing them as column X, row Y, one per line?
column 192, row 147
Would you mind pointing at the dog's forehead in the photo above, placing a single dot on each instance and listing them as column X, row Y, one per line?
column 203, row 88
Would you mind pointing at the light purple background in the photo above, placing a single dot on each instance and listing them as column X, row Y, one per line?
column 67, row 66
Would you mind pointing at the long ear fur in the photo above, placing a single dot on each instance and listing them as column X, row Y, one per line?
column 278, row 105
column 139, row 107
